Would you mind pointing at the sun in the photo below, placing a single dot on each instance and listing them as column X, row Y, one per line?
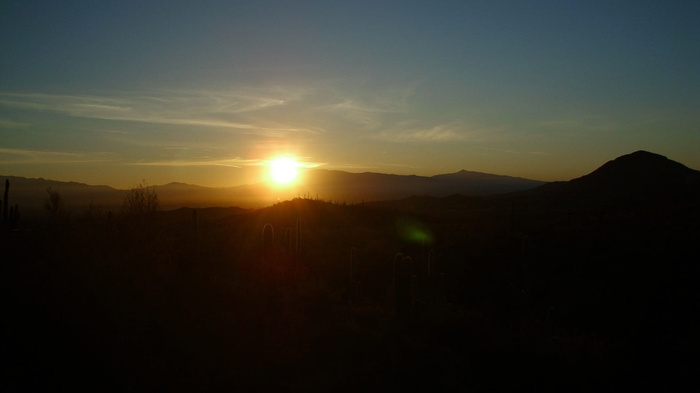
column 284, row 170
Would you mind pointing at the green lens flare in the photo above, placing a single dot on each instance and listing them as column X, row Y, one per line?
column 412, row 230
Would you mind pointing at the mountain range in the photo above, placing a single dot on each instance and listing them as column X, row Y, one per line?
column 637, row 175
column 637, row 178
column 324, row 184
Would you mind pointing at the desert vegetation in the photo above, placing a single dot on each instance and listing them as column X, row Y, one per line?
column 477, row 294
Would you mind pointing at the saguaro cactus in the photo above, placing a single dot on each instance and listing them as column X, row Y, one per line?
column 10, row 214
column 268, row 239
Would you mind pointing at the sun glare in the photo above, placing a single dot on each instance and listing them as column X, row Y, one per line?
column 284, row 170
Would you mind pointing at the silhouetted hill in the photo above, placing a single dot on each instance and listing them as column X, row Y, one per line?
column 639, row 176
column 324, row 184
column 478, row 183
column 561, row 296
column 368, row 186
column 635, row 178
column 31, row 194
column 175, row 195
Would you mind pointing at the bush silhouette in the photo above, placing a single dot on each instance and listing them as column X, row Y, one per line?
column 140, row 203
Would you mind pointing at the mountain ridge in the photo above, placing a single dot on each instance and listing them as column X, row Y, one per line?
column 640, row 175
column 317, row 183
column 637, row 178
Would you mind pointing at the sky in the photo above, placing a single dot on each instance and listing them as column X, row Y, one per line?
column 207, row 92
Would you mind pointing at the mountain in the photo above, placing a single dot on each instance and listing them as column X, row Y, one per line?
column 478, row 183
column 639, row 176
column 368, row 186
column 31, row 194
column 633, row 179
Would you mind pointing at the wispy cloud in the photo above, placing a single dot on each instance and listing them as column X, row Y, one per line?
column 408, row 131
column 12, row 124
column 23, row 156
column 368, row 111
column 366, row 116
column 231, row 162
column 203, row 109
column 236, row 162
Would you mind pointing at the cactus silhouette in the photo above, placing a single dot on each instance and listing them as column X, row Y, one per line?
column 10, row 214
column 268, row 240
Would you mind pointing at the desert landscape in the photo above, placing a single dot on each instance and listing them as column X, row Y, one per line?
column 585, row 285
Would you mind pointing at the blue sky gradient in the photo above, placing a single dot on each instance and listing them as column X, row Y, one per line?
column 206, row 92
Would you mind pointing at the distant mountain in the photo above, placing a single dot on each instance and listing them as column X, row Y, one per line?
column 368, row 186
column 634, row 177
column 324, row 184
column 630, row 179
column 31, row 194
column 478, row 183
column 175, row 195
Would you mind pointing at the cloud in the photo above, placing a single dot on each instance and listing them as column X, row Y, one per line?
column 194, row 108
column 228, row 162
column 23, row 156
column 406, row 132
column 355, row 112
column 368, row 111
column 12, row 124
column 232, row 162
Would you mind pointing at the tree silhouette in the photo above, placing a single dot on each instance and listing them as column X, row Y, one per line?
column 55, row 206
column 140, row 203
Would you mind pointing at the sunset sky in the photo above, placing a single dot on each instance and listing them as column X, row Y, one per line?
column 205, row 92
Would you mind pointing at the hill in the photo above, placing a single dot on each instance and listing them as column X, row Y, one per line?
column 31, row 194
column 637, row 176
column 368, row 186
column 443, row 293
column 324, row 184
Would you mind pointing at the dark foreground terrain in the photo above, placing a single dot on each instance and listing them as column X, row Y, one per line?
column 589, row 285
column 486, row 295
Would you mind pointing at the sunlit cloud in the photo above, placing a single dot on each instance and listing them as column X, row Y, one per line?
column 227, row 162
column 23, row 156
column 232, row 162
column 350, row 166
column 299, row 162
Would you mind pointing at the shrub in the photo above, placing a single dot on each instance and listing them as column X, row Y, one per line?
column 140, row 203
